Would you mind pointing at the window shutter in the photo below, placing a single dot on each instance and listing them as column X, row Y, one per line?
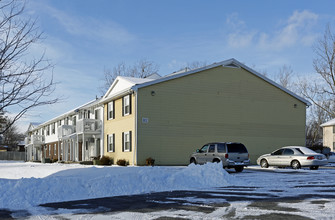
column 107, row 142
column 122, row 106
column 130, row 142
column 130, row 104
column 108, row 111
column 122, row 141
column 113, row 142
column 113, row 109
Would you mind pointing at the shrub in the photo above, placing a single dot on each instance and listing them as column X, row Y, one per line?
column 86, row 162
column 105, row 161
column 121, row 162
column 149, row 161
column 54, row 160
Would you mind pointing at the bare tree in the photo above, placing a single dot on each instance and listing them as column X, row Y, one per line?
column 196, row 64
column 316, row 116
column 193, row 65
column 23, row 81
column 11, row 137
column 284, row 77
column 320, row 88
column 140, row 69
column 321, row 91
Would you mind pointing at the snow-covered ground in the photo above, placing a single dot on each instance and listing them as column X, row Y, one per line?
column 26, row 185
column 307, row 193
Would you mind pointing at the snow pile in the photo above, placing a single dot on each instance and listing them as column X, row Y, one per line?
column 75, row 182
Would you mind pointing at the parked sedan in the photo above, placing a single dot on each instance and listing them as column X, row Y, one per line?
column 293, row 156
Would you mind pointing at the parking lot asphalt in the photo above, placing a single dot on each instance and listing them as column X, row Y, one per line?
column 286, row 187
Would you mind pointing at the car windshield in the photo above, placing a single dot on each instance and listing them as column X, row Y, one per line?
column 236, row 148
column 203, row 149
column 305, row 150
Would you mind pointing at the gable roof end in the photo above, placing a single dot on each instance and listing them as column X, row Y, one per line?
column 232, row 63
column 328, row 123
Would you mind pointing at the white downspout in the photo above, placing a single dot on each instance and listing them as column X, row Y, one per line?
column 102, row 142
column 135, row 150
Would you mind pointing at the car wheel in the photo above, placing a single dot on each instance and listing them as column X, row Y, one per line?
column 264, row 163
column 314, row 167
column 193, row 161
column 295, row 164
column 216, row 161
column 239, row 169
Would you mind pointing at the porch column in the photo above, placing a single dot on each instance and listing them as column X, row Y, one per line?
column 76, row 149
column 58, row 149
column 83, row 147
column 66, row 150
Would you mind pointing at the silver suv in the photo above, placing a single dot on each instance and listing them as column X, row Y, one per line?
column 232, row 155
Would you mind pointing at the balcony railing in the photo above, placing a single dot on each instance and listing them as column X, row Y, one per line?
column 27, row 140
column 37, row 139
column 66, row 130
column 89, row 126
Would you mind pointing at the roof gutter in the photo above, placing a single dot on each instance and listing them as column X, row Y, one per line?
column 117, row 95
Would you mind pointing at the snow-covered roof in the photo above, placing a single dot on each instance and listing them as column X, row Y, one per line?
column 35, row 123
column 328, row 123
column 71, row 112
column 153, row 76
column 227, row 63
column 122, row 85
column 32, row 126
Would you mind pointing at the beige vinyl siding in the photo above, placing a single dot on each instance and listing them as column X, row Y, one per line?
column 328, row 137
column 116, row 126
column 219, row 104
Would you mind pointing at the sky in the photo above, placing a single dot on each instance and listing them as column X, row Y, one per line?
column 82, row 38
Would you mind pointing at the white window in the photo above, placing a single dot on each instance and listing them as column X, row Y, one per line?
column 97, row 114
column 74, row 120
column 127, row 141
column 53, row 128
column 110, row 110
column 49, row 150
column 87, row 114
column 48, row 129
column 110, row 142
column 55, row 151
column 126, row 105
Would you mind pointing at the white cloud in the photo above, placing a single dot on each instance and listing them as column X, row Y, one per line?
column 85, row 27
column 240, row 37
column 297, row 29
column 175, row 65
column 92, row 28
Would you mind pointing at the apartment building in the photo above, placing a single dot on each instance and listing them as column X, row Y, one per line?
column 328, row 129
column 170, row 117
column 167, row 118
column 72, row 136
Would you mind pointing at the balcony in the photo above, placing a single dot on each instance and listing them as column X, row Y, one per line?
column 89, row 126
column 27, row 140
column 66, row 130
column 37, row 139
